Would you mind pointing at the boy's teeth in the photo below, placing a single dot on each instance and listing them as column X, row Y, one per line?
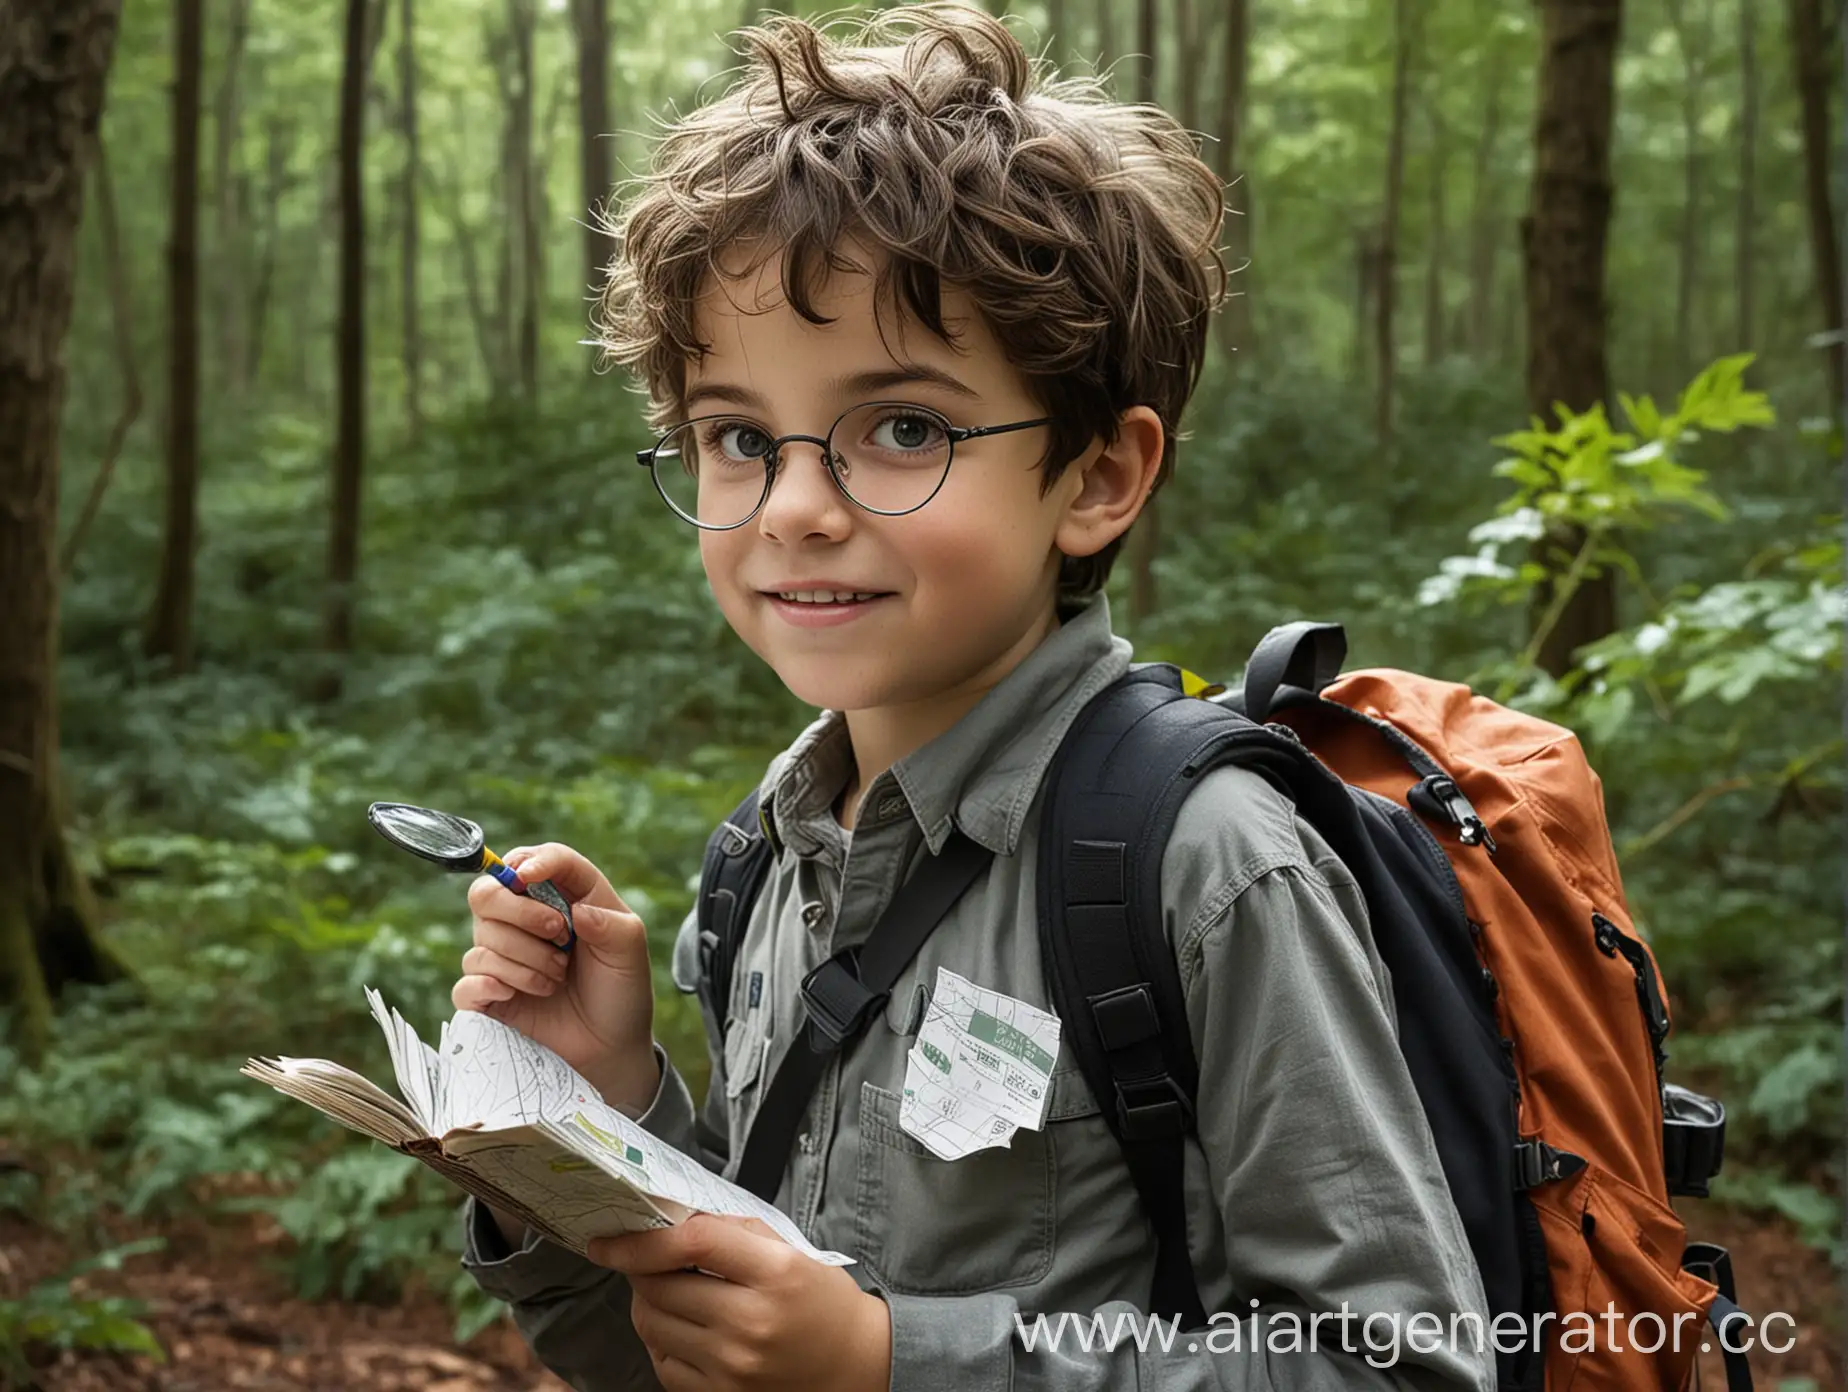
column 823, row 596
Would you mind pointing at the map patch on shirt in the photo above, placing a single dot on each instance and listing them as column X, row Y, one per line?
column 980, row 1070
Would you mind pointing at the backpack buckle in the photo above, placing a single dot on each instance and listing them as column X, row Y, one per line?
column 837, row 1001
column 1536, row 1162
column 1438, row 797
column 1152, row 1109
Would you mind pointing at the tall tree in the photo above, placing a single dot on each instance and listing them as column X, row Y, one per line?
column 1485, row 197
column 1746, row 239
column 591, row 20
column 1694, row 37
column 412, row 331
column 1563, row 237
column 229, row 191
column 1810, row 54
column 1145, row 541
column 54, row 63
column 349, row 361
column 1436, row 240
column 169, row 632
column 521, row 259
column 1387, row 249
column 121, row 301
column 1235, row 321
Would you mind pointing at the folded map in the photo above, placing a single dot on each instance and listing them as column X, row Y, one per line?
column 512, row 1123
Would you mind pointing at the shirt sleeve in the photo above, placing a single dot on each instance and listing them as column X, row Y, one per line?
column 1335, row 1214
column 574, row 1313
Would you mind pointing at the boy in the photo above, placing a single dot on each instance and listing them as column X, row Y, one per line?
column 933, row 329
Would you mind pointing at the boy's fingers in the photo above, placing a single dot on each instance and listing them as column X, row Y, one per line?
column 479, row 992
column 577, row 879
column 705, row 1241
column 613, row 931
column 522, row 947
column 485, row 961
column 492, row 901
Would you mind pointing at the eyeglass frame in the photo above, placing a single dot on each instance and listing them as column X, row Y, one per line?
column 771, row 457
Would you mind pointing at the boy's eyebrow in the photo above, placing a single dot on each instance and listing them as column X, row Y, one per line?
column 852, row 384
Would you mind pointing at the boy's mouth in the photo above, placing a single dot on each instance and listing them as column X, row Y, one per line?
column 813, row 605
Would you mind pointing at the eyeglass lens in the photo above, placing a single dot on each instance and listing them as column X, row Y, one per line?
column 888, row 458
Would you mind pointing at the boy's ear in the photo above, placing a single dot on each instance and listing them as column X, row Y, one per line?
column 1110, row 489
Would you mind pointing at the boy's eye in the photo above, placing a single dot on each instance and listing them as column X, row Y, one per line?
column 741, row 441
column 906, row 432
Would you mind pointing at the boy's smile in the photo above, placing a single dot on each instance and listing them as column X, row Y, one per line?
column 901, row 621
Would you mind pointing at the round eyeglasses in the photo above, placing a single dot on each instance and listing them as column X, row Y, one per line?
column 888, row 457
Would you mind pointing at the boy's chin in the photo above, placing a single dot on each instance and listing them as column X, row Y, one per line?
column 814, row 684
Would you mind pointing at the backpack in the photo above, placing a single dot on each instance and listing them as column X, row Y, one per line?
column 1531, row 1015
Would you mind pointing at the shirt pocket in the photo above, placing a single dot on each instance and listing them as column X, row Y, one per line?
column 926, row 1226
column 748, row 1036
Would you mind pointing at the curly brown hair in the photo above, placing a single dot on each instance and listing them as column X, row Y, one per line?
column 1085, row 228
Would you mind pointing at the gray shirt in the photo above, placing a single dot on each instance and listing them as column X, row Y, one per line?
column 1313, row 1190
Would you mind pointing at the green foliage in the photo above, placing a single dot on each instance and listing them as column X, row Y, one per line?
column 50, row 1319
column 1585, row 480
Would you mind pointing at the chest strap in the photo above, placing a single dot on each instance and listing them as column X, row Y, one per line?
column 842, row 995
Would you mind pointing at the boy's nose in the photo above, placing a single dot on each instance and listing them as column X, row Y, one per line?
column 803, row 494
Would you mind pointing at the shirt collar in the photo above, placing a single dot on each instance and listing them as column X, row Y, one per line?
column 982, row 774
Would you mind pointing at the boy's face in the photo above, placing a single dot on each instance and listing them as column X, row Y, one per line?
column 966, row 584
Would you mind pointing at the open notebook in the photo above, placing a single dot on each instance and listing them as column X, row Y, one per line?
column 512, row 1123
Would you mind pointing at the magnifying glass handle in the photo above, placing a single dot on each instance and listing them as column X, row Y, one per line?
column 543, row 890
column 502, row 871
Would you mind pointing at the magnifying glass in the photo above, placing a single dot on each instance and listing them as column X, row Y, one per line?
column 456, row 843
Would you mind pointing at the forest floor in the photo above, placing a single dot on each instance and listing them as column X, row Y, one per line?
column 216, row 1301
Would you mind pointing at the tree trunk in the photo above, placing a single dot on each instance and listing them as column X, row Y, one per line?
column 349, row 363
column 521, row 191
column 277, row 181
column 1366, row 288
column 1563, row 238
column 54, row 63
column 1145, row 540
column 228, row 287
column 593, row 89
column 1745, row 241
column 122, row 316
column 407, row 192
column 169, row 632
column 1436, row 248
column 465, row 237
column 1386, row 271
column 1187, row 70
column 1810, row 56
column 1694, row 52
column 1485, row 218
column 1235, row 321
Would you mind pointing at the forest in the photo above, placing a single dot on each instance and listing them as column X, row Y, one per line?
column 313, row 493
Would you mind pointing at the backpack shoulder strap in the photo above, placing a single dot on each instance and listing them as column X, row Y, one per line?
column 739, row 853
column 1112, row 795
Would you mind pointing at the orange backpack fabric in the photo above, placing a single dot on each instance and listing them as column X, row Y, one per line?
column 1552, row 927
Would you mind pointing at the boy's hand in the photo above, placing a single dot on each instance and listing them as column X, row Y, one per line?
column 779, row 1319
column 592, row 1006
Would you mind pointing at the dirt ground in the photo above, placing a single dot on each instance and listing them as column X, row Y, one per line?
column 228, row 1322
